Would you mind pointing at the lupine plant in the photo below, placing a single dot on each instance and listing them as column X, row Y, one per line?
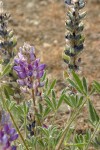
column 30, row 123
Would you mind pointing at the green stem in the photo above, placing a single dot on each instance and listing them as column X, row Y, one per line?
column 68, row 125
column 35, row 110
column 25, row 124
column 93, row 135
column 34, row 104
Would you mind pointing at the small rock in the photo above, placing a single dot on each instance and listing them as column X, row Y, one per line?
column 46, row 45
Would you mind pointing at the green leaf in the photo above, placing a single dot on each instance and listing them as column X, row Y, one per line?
column 44, row 131
column 9, row 89
column 6, row 93
column 85, row 85
column 97, row 86
column 49, row 103
column 6, row 69
column 12, row 105
column 46, row 112
column 60, row 100
column 80, row 100
column 54, row 99
column 78, row 81
column 73, row 84
column 25, row 108
column 67, row 100
column 51, row 87
column 94, row 118
column 46, row 84
column 73, row 101
column 44, row 76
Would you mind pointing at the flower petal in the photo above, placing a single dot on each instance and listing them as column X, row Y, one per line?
column 17, row 68
column 22, row 75
column 13, row 137
column 41, row 67
column 40, row 74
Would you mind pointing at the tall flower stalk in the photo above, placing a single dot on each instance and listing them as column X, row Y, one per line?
column 8, row 40
column 74, row 36
column 8, row 44
column 73, row 50
column 30, row 71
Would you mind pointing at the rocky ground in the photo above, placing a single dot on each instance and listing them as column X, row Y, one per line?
column 42, row 24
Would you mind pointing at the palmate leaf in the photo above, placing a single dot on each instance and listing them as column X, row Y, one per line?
column 53, row 103
column 77, row 80
column 43, row 111
column 73, row 101
column 74, row 85
column 67, row 101
column 79, row 84
column 93, row 116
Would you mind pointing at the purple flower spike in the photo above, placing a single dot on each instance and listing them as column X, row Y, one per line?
column 28, row 67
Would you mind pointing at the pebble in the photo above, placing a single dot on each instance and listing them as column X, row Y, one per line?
column 46, row 45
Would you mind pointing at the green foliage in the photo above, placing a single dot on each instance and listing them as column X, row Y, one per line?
column 93, row 116
column 97, row 86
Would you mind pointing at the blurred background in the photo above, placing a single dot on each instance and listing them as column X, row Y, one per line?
column 42, row 24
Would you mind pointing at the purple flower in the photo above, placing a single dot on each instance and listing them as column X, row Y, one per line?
column 28, row 68
column 7, row 135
